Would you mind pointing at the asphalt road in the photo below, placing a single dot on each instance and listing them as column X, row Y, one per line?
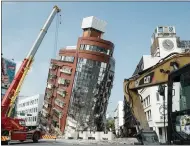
column 63, row 142
column 41, row 142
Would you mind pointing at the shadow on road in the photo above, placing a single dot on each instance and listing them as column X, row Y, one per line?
column 31, row 142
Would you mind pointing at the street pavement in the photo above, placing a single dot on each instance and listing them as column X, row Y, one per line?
column 64, row 142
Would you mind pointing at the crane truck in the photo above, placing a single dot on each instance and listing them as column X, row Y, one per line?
column 174, row 68
column 15, row 128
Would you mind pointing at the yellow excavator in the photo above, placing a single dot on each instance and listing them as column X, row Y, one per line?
column 169, row 70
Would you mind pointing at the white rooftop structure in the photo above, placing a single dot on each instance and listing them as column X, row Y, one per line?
column 93, row 22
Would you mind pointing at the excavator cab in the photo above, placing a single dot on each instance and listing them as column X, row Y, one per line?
column 178, row 131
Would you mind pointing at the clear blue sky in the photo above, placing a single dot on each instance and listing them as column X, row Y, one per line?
column 130, row 26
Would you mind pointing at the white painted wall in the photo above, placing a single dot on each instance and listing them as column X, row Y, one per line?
column 118, row 115
column 30, row 105
column 149, row 61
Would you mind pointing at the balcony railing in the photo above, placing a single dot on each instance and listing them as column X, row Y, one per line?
column 66, row 70
column 57, row 112
column 62, row 92
column 46, row 105
column 53, row 66
column 49, row 86
column 63, row 81
column 59, row 103
column 44, row 113
column 52, row 76
column 49, row 94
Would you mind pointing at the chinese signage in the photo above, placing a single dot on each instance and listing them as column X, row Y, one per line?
column 8, row 71
column 8, row 68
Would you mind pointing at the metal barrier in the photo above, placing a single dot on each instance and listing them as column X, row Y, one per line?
column 5, row 138
column 49, row 137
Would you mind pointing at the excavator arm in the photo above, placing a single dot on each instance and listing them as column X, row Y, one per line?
column 155, row 75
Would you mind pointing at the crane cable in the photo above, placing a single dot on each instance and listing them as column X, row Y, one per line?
column 56, row 39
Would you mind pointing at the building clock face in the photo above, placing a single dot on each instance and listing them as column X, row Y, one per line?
column 168, row 44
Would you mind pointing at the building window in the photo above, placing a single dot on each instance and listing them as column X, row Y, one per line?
column 148, row 115
column 66, row 70
column 96, row 49
column 144, row 102
column 61, row 92
column 148, row 100
column 61, row 81
column 160, row 130
column 82, row 47
column 157, row 96
column 160, row 29
column 67, row 58
column 59, row 103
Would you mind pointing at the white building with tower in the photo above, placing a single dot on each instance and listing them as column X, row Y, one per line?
column 28, row 108
column 118, row 117
column 164, row 41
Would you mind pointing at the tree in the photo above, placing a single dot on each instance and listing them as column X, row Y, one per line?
column 110, row 126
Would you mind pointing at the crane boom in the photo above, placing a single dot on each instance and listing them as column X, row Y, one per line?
column 42, row 33
column 15, row 86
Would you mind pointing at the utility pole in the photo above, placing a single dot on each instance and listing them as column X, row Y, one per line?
column 161, row 90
